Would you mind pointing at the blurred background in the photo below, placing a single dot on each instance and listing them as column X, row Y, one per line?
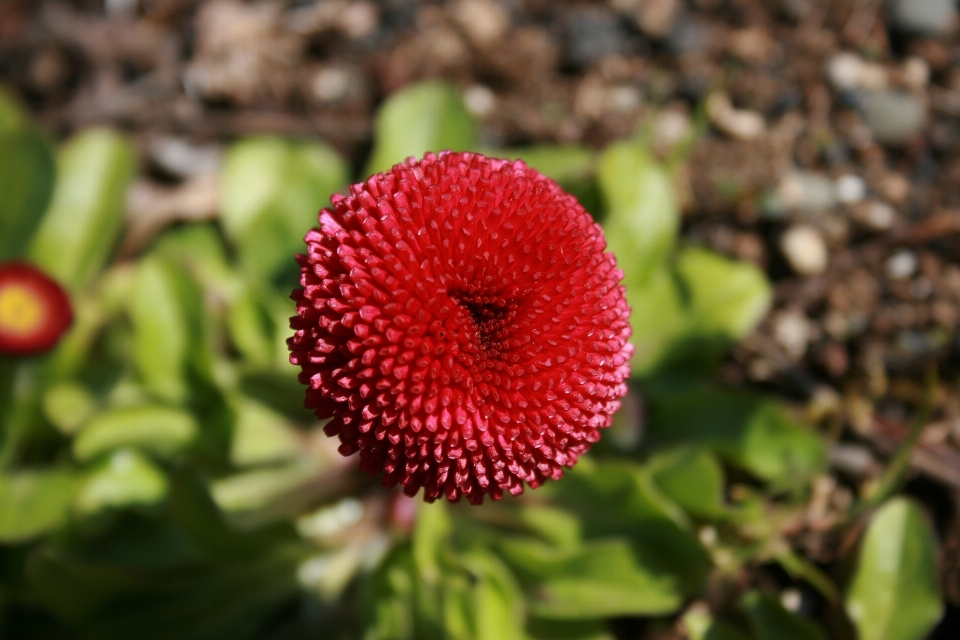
column 780, row 182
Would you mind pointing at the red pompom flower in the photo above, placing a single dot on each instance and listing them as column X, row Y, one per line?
column 34, row 310
column 461, row 326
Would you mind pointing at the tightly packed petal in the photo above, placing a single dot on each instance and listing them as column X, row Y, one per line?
column 34, row 310
column 461, row 326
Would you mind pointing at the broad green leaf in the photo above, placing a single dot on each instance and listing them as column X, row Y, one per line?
column 660, row 318
column 125, row 479
column 34, row 502
column 160, row 304
column 159, row 430
column 497, row 598
column 252, row 330
column 252, row 498
column 271, row 191
column 428, row 116
column 67, row 406
column 728, row 297
column 27, row 172
column 430, row 535
column 642, row 216
column 617, row 499
column 770, row 621
column 261, row 436
column 12, row 114
column 692, row 478
column 599, row 580
column 895, row 593
column 79, row 230
column 557, row 526
column 750, row 431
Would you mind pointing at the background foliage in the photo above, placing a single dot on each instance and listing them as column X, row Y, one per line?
column 159, row 477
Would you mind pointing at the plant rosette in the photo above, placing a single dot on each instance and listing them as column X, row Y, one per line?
column 461, row 325
column 34, row 310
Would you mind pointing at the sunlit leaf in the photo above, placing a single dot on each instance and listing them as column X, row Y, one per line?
column 895, row 593
column 67, row 406
column 160, row 430
column 272, row 189
column 34, row 502
column 124, row 479
column 601, row 579
column 26, row 182
column 13, row 116
column 428, row 116
column 770, row 621
column 261, row 436
column 81, row 227
column 642, row 216
column 251, row 329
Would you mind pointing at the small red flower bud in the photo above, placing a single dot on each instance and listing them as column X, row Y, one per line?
column 34, row 310
column 461, row 326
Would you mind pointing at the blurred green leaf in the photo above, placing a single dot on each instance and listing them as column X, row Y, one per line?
column 160, row 303
column 34, row 502
column 895, row 592
column 252, row 498
column 428, row 116
column 261, row 436
column 770, row 621
column 160, row 430
column 497, row 599
column 81, row 226
column 752, row 432
column 12, row 114
column 271, row 192
column 67, row 406
column 27, row 172
column 429, row 537
column 689, row 311
column 598, row 580
column 700, row 625
column 559, row 527
column 251, row 329
column 727, row 297
column 692, row 478
column 642, row 216
column 126, row 478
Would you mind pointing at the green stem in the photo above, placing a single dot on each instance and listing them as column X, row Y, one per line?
column 899, row 466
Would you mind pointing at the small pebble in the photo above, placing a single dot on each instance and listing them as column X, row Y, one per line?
column 182, row 158
column 330, row 84
column 902, row 264
column 922, row 17
column 792, row 331
column 877, row 216
column 807, row 191
column 850, row 188
column 805, row 250
column 893, row 116
column 847, row 71
column 916, row 73
column 479, row 100
column 484, row 21
column 737, row 123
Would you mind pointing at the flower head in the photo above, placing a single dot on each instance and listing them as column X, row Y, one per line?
column 461, row 326
column 34, row 310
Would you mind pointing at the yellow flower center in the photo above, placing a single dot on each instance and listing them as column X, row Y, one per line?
column 20, row 310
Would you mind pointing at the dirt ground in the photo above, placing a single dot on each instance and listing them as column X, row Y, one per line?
column 830, row 152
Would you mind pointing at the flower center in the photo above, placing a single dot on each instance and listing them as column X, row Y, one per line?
column 20, row 311
column 491, row 315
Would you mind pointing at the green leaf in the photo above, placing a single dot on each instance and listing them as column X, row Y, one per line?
column 752, row 432
column 34, row 502
column 252, row 498
column 770, row 621
column 125, row 479
column 251, row 329
column 428, row 116
column 67, row 406
column 619, row 499
column 598, row 580
column 895, row 593
column 27, row 172
column 261, row 436
column 700, row 625
column 77, row 235
column 160, row 305
column 497, row 598
column 12, row 114
column 692, row 478
column 159, row 430
column 271, row 191
column 429, row 537
column 642, row 216
column 728, row 297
